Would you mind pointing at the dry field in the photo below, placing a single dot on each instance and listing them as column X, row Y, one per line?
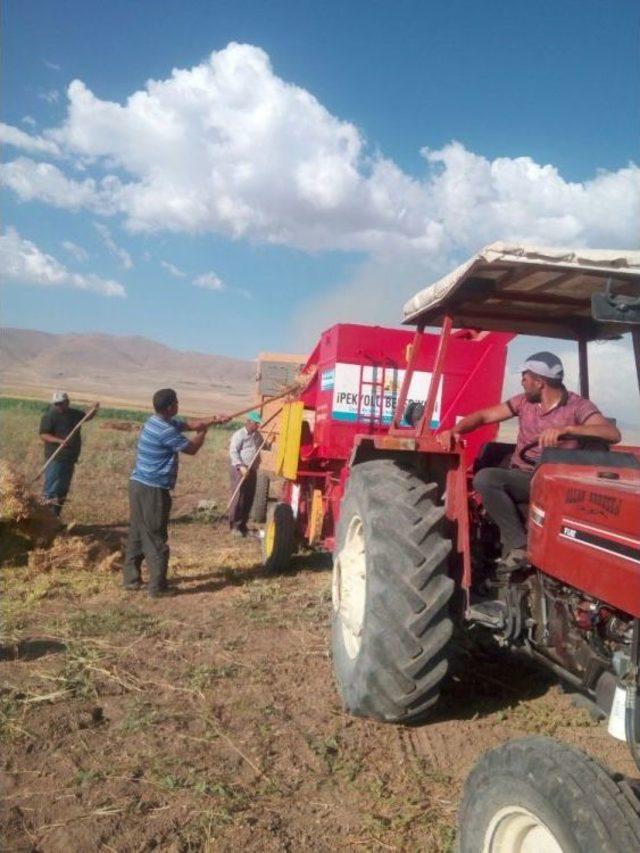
column 209, row 721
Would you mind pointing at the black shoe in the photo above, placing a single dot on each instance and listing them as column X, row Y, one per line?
column 168, row 592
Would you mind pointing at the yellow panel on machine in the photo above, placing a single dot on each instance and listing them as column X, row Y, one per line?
column 316, row 517
column 288, row 451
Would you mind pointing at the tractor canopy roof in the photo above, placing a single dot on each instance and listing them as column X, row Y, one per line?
column 535, row 291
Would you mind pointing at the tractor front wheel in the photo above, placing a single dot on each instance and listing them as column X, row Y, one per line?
column 536, row 795
column 391, row 591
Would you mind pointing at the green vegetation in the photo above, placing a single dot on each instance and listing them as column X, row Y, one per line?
column 16, row 404
column 112, row 621
column 28, row 406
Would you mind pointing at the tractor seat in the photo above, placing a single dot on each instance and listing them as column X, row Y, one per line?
column 494, row 454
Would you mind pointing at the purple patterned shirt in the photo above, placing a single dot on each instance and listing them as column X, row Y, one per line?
column 572, row 410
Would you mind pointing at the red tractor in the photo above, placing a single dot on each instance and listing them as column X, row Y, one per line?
column 414, row 550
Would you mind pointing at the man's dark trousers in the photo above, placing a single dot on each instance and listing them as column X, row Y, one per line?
column 240, row 509
column 149, row 507
column 501, row 490
column 57, row 481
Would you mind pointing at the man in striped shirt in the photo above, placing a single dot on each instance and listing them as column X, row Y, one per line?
column 154, row 476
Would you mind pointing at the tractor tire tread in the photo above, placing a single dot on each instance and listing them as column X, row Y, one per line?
column 408, row 593
column 260, row 503
column 285, row 538
column 592, row 809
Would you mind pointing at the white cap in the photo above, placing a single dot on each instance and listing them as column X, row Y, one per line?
column 544, row 364
column 60, row 397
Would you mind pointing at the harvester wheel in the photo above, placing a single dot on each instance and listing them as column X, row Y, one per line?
column 391, row 627
column 261, row 498
column 279, row 538
column 536, row 794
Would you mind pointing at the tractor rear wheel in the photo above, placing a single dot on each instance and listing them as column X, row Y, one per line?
column 536, row 795
column 391, row 591
column 279, row 540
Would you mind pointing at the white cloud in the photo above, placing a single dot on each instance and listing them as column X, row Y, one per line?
column 229, row 147
column 23, row 262
column 516, row 199
column 29, row 121
column 51, row 96
column 44, row 182
column 210, row 281
column 19, row 139
column 173, row 269
column 121, row 254
column 77, row 252
column 51, row 65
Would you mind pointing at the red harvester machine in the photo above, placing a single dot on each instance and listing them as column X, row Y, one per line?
column 357, row 374
column 413, row 549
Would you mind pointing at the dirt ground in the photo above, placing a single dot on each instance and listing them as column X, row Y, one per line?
column 209, row 721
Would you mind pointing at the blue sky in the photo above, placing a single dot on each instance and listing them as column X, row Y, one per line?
column 308, row 163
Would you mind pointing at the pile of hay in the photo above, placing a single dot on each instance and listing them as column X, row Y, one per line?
column 31, row 533
column 78, row 553
column 24, row 522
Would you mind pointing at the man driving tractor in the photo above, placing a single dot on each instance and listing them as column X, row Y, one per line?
column 547, row 414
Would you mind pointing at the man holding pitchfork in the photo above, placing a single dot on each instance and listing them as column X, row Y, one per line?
column 60, row 433
column 245, row 458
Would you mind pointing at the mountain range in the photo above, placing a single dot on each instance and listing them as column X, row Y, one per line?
column 121, row 370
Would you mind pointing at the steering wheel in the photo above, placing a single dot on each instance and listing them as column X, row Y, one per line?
column 584, row 443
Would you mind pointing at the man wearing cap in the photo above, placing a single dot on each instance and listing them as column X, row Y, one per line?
column 545, row 411
column 244, row 456
column 154, row 476
column 56, row 424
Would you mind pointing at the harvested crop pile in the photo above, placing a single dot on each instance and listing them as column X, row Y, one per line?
column 30, row 532
column 121, row 426
column 24, row 522
column 78, row 553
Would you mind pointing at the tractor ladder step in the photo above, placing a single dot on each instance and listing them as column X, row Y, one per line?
column 492, row 614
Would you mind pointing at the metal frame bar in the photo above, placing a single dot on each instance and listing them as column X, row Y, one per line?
column 535, row 266
column 436, row 376
column 537, row 298
column 583, row 361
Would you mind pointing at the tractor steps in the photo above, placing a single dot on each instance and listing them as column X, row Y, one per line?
column 492, row 614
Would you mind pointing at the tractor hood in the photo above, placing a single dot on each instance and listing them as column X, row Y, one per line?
column 530, row 290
